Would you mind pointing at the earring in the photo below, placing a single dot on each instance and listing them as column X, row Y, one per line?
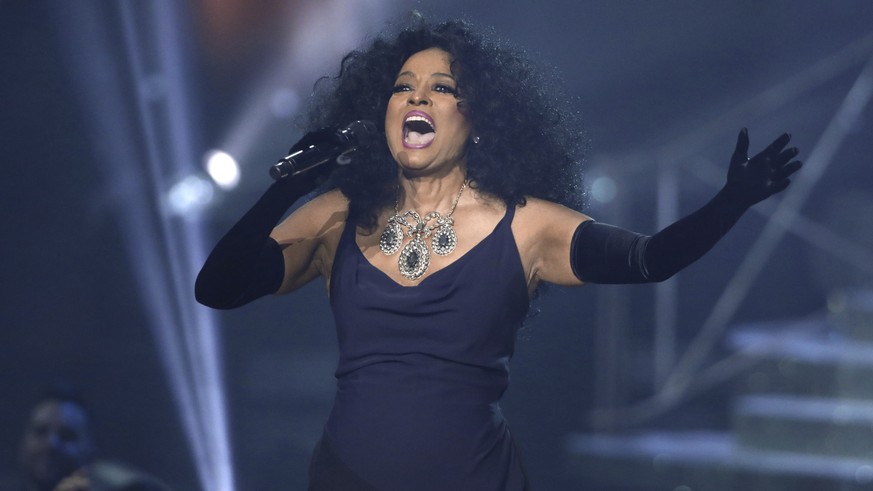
column 475, row 139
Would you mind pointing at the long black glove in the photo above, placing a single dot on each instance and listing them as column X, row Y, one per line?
column 246, row 263
column 603, row 253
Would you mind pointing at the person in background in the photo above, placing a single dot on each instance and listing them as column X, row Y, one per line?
column 58, row 452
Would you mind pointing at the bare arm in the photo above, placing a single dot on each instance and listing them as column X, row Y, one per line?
column 544, row 231
column 247, row 263
column 600, row 253
column 308, row 239
column 253, row 259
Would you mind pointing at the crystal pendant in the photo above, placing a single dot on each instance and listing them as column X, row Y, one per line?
column 391, row 238
column 444, row 240
column 414, row 259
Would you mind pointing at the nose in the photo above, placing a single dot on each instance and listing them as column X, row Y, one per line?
column 418, row 98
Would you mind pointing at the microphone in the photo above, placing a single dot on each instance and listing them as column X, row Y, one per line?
column 357, row 135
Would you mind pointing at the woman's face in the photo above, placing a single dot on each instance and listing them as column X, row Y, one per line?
column 426, row 130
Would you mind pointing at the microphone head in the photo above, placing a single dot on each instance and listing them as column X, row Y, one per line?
column 278, row 171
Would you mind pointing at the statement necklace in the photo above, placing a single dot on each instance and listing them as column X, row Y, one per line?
column 415, row 256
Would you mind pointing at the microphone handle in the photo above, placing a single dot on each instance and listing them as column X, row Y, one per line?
column 299, row 161
column 358, row 134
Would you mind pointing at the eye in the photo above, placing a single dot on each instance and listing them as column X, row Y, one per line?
column 401, row 88
column 445, row 89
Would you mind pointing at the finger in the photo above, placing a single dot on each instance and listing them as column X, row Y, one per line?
column 786, row 170
column 778, row 144
column 783, row 157
column 741, row 152
column 768, row 155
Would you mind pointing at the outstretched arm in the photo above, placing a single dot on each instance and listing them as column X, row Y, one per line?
column 601, row 253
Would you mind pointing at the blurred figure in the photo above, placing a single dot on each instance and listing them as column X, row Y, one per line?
column 57, row 451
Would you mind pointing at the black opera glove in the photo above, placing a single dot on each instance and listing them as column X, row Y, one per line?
column 247, row 263
column 767, row 173
column 601, row 253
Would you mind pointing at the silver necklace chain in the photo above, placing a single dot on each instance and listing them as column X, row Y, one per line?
column 415, row 256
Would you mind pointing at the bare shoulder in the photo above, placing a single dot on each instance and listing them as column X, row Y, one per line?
column 327, row 204
column 315, row 219
column 309, row 238
column 543, row 231
column 538, row 214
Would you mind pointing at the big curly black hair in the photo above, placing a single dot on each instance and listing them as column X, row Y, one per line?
column 530, row 139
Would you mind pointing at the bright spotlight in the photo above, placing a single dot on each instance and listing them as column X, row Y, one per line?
column 223, row 169
column 190, row 195
column 604, row 189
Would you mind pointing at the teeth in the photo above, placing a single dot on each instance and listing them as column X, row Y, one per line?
column 419, row 118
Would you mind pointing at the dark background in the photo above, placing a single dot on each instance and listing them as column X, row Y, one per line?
column 643, row 75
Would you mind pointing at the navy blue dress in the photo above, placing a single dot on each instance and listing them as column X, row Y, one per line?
column 421, row 371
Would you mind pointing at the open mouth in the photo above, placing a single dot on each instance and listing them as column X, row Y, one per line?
column 418, row 130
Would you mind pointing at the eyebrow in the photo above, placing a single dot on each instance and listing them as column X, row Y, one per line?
column 437, row 74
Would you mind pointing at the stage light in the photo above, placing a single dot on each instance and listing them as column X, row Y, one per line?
column 190, row 195
column 864, row 474
column 187, row 334
column 278, row 93
column 222, row 168
column 603, row 189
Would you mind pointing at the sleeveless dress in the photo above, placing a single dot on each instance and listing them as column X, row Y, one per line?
column 421, row 371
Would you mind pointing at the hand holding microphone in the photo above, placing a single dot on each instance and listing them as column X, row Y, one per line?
column 324, row 146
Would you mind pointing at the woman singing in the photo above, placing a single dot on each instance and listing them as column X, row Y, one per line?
column 433, row 240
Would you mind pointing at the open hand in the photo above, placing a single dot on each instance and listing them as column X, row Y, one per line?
column 767, row 173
